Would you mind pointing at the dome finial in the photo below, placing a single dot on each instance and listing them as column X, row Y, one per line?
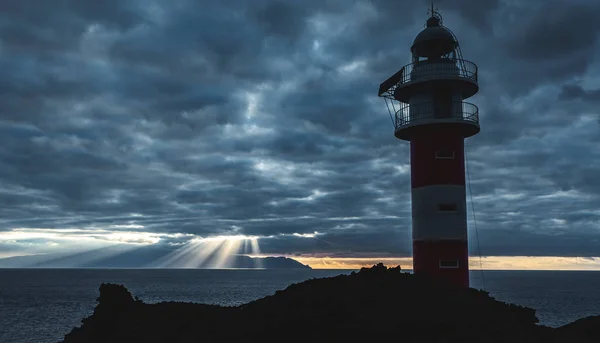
column 435, row 18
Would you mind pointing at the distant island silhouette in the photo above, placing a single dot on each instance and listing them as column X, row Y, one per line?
column 137, row 261
column 377, row 304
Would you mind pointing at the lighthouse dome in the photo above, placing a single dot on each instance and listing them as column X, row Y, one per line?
column 433, row 41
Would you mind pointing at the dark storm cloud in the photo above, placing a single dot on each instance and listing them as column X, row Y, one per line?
column 576, row 92
column 260, row 118
column 475, row 13
column 557, row 33
column 44, row 27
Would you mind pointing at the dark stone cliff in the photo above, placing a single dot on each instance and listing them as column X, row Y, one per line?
column 372, row 305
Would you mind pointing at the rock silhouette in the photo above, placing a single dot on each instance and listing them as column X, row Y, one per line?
column 375, row 304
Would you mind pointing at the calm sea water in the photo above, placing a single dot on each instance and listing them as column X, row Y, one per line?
column 42, row 305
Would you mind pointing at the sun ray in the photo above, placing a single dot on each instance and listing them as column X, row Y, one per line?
column 255, row 250
column 211, row 253
column 175, row 258
column 204, row 253
column 225, row 256
column 84, row 257
column 245, row 247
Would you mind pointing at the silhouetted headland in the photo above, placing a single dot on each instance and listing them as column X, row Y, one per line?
column 377, row 304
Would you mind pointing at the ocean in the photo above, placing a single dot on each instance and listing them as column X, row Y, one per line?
column 42, row 305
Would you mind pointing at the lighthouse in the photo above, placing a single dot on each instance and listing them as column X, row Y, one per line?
column 429, row 110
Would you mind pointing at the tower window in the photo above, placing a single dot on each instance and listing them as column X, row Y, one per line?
column 444, row 155
column 447, row 207
column 448, row 263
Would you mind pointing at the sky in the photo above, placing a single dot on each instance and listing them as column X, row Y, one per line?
column 170, row 124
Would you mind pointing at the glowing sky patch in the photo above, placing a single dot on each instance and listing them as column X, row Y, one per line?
column 306, row 235
column 352, row 67
column 82, row 237
column 253, row 100
column 487, row 263
column 281, row 171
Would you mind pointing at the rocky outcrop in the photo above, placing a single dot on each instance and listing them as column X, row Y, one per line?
column 585, row 330
column 375, row 304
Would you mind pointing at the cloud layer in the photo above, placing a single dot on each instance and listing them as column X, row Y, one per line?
column 261, row 118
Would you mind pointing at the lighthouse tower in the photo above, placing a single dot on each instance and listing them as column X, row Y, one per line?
column 435, row 119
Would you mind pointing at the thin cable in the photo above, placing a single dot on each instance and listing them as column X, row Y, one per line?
column 393, row 107
column 474, row 221
column 390, row 112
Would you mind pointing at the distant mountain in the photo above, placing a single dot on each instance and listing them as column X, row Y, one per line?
column 138, row 258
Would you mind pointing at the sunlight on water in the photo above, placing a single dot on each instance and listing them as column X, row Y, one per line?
column 211, row 253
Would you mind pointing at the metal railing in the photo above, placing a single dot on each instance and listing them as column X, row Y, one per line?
column 429, row 70
column 442, row 68
column 425, row 112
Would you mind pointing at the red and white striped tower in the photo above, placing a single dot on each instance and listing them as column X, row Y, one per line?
column 435, row 119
